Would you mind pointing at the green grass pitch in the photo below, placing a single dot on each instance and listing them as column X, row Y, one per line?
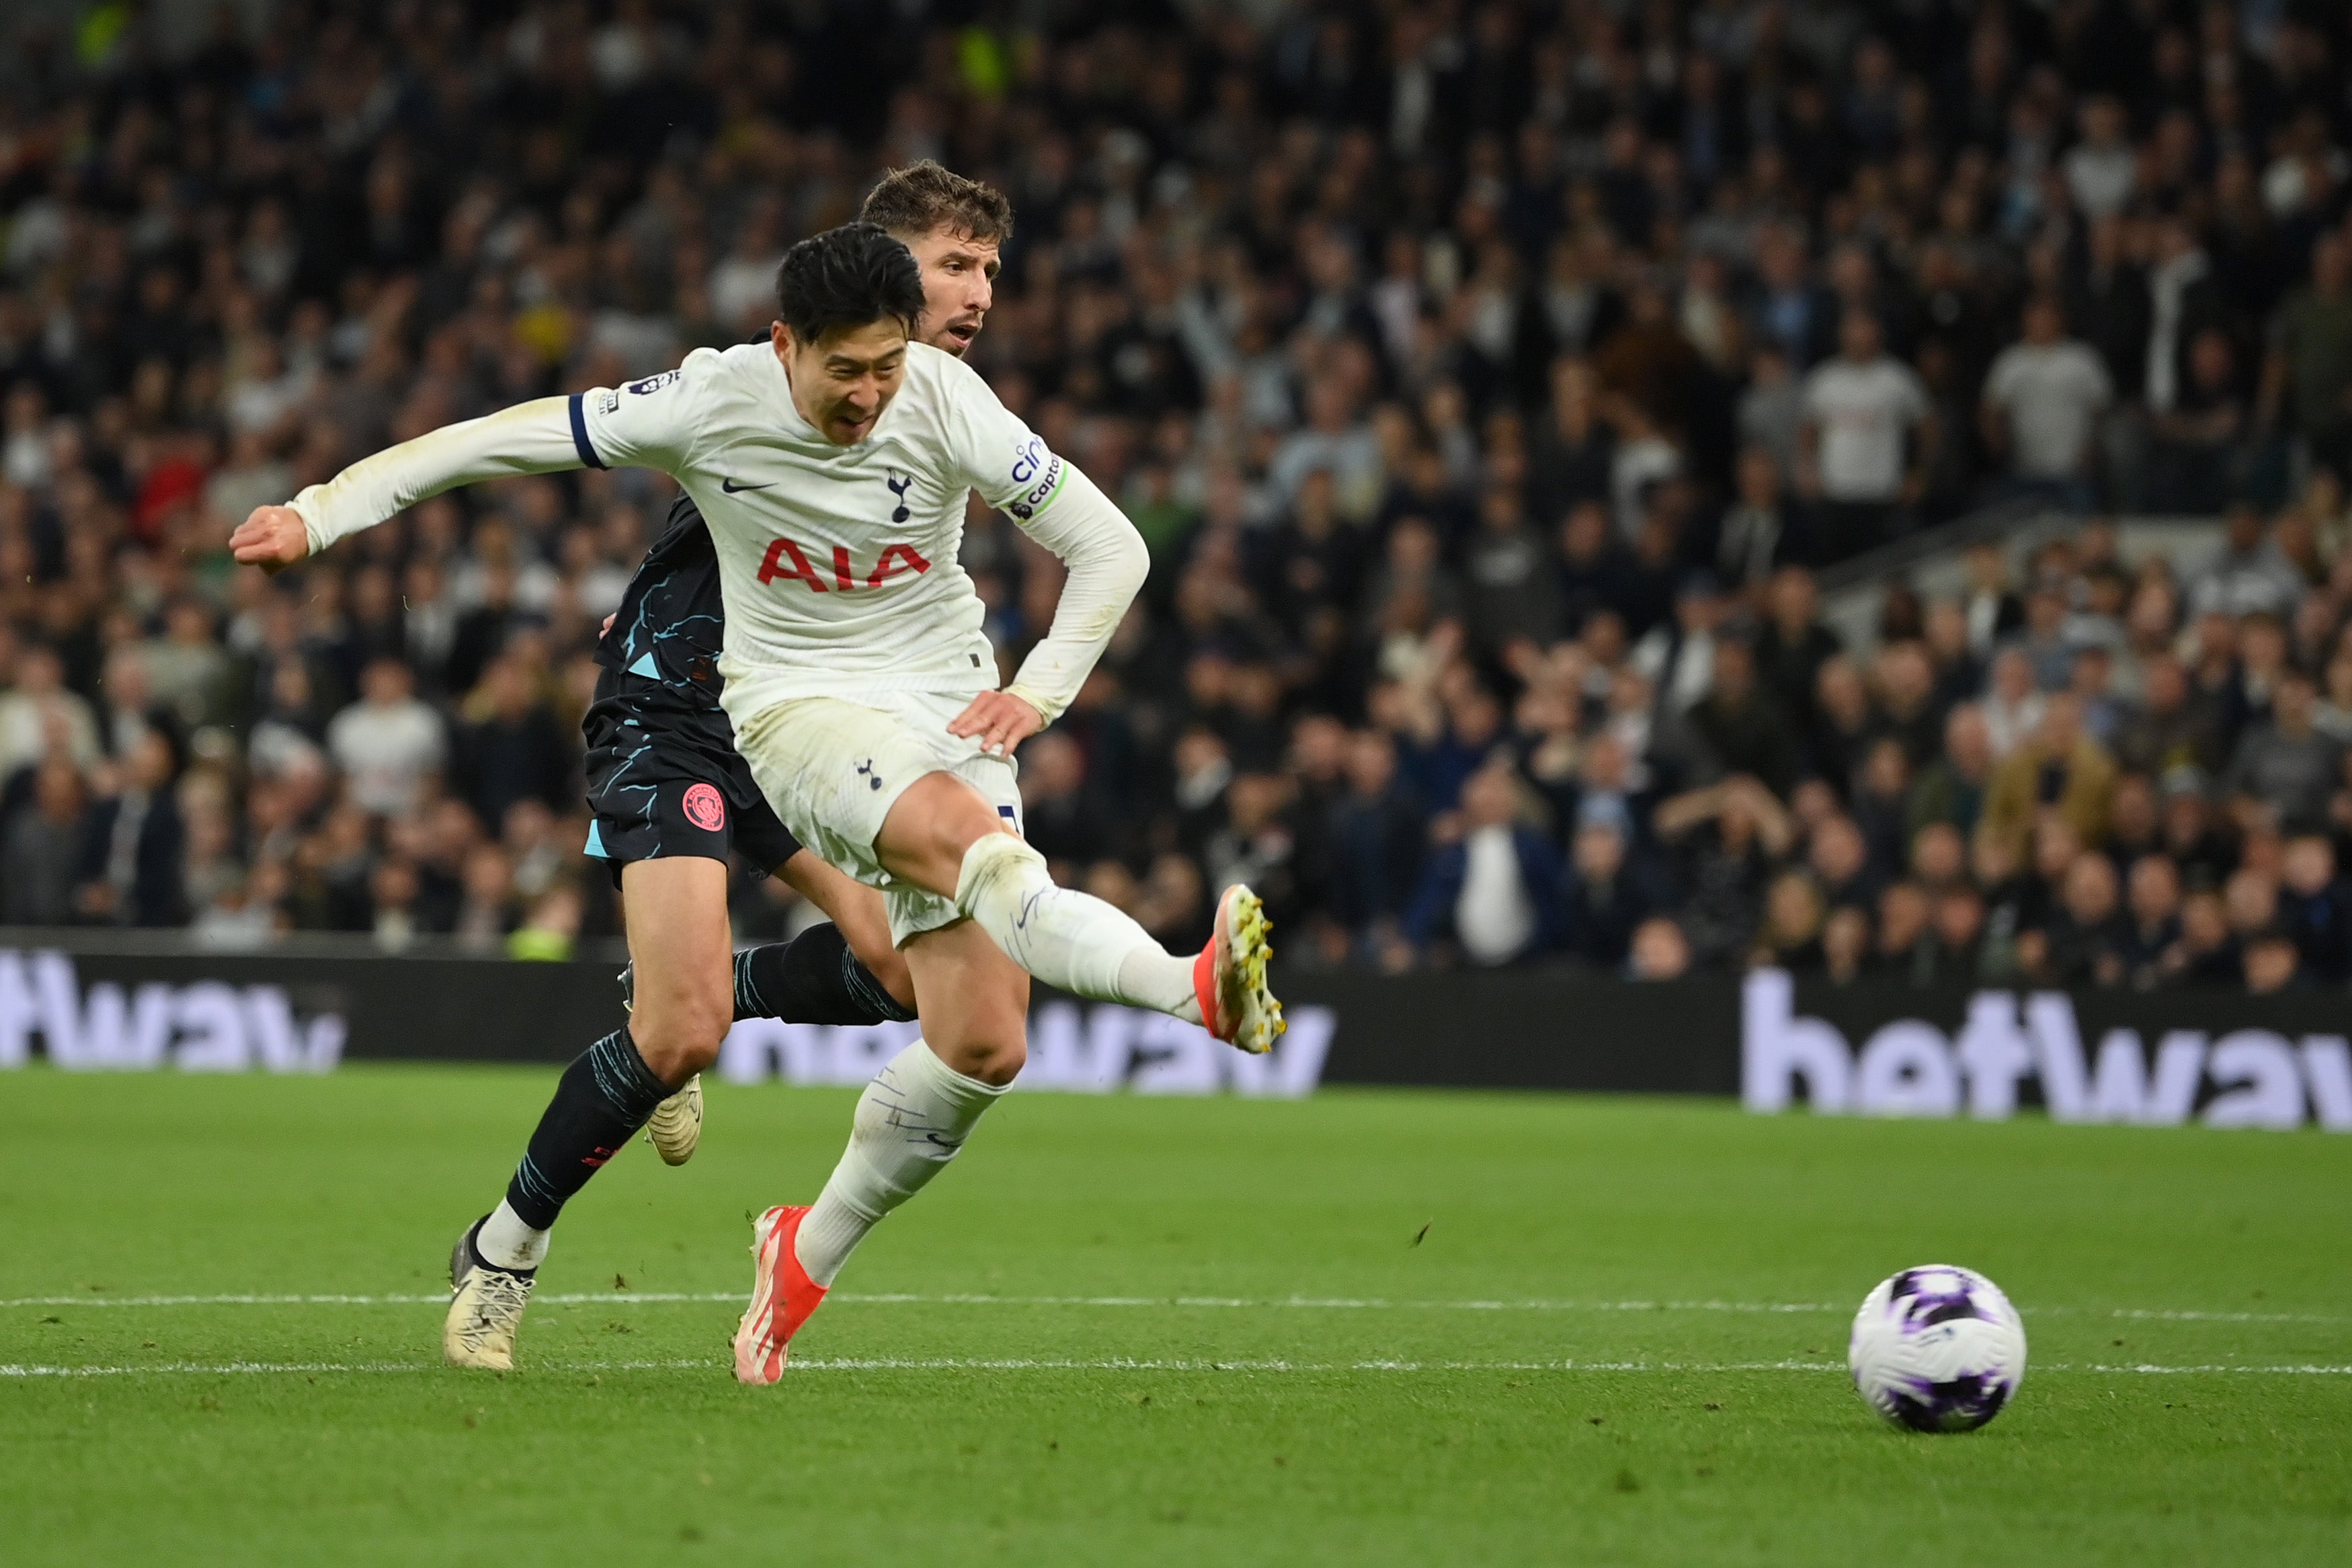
column 1135, row 1331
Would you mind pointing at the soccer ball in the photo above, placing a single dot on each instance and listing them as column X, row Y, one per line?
column 1938, row 1349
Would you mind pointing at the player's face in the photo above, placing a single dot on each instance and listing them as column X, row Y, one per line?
column 958, row 286
column 843, row 381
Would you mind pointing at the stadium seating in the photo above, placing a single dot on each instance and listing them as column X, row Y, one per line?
column 1551, row 565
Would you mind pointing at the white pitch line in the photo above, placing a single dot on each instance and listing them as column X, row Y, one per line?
column 1308, row 1303
column 969, row 1364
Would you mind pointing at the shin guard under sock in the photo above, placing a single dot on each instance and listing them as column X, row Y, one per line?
column 910, row 1122
column 601, row 1101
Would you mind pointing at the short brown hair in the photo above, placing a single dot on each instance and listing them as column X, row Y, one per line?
column 924, row 196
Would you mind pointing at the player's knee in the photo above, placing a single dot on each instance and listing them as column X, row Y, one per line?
column 678, row 1034
column 990, row 1041
column 996, row 1060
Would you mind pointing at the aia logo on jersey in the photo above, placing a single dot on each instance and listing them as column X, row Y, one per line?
column 705, row 809
column 786, row 560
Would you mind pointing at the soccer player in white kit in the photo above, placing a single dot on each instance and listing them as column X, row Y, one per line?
column 832, row 464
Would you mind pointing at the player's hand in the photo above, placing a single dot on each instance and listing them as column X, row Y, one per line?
column 606, row 630
column 1001, row 720
column 272, row 538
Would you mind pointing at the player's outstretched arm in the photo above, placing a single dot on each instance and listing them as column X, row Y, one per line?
column 535, row 437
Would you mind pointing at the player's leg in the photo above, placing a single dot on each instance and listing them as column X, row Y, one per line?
column 848, row 972
column 943, row 835
column 890, row 797
column 820, row 975
column 679, row 948
column 912, row 1119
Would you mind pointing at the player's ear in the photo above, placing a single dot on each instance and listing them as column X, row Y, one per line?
column 781, row 336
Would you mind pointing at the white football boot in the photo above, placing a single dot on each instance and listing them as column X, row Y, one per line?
column 486, row 1305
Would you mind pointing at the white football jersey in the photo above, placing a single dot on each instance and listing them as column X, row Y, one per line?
column 838, row 563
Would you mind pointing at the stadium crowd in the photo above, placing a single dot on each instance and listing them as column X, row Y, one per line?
column 1488, row 379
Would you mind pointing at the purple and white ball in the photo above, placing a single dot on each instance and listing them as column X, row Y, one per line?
column 1938, row 1349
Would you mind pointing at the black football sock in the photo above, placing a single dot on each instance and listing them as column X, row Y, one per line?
column 812, row 979
column 602, row 1098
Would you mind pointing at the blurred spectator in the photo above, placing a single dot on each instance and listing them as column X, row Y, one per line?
column 2285, row 765
column 41, row 849
column 1793, row 644
column 1862, row 410
column 515, row 747
column 1845, row 946
column 1759, row 531
column 2272, row 963
column 1727, row 836
column 2153, row 907
column 1493, row 892
column 1376, row 840
column 1791, row 936
column 388, row 742
column 38, row 713
column 2042, row 405
column 2101, row 168
column 2247, row 573
column 2206, row 955
column 1056, row 815
column 2012, row 709
column 1604, row 899
column 131, row 871
column 2197, row 463
column 2315, row 908
column 2308, row 376
column 1740, row 729
column 1659, row 951
column 1512, row 594
column 2059, row 771
column 486, row 911
column 2172, row 727
column 2086, row 942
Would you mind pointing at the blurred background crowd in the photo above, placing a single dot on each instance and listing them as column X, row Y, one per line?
column 1491, row 380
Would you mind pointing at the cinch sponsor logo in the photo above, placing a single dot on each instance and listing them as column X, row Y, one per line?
column 2246, row 1078
column 209, row 1026
column 1026, row 505
column 1028, row 456
column 1085, row 1050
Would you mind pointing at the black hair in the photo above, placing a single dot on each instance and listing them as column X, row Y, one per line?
column 847, row 277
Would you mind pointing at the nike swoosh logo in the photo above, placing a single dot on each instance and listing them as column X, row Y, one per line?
column 731, row 487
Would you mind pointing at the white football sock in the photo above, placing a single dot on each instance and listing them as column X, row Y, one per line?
column 507, row 1242
column 910, row 1123
column 1071, row 940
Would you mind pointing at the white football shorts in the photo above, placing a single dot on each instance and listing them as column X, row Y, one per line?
column 833, row 770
